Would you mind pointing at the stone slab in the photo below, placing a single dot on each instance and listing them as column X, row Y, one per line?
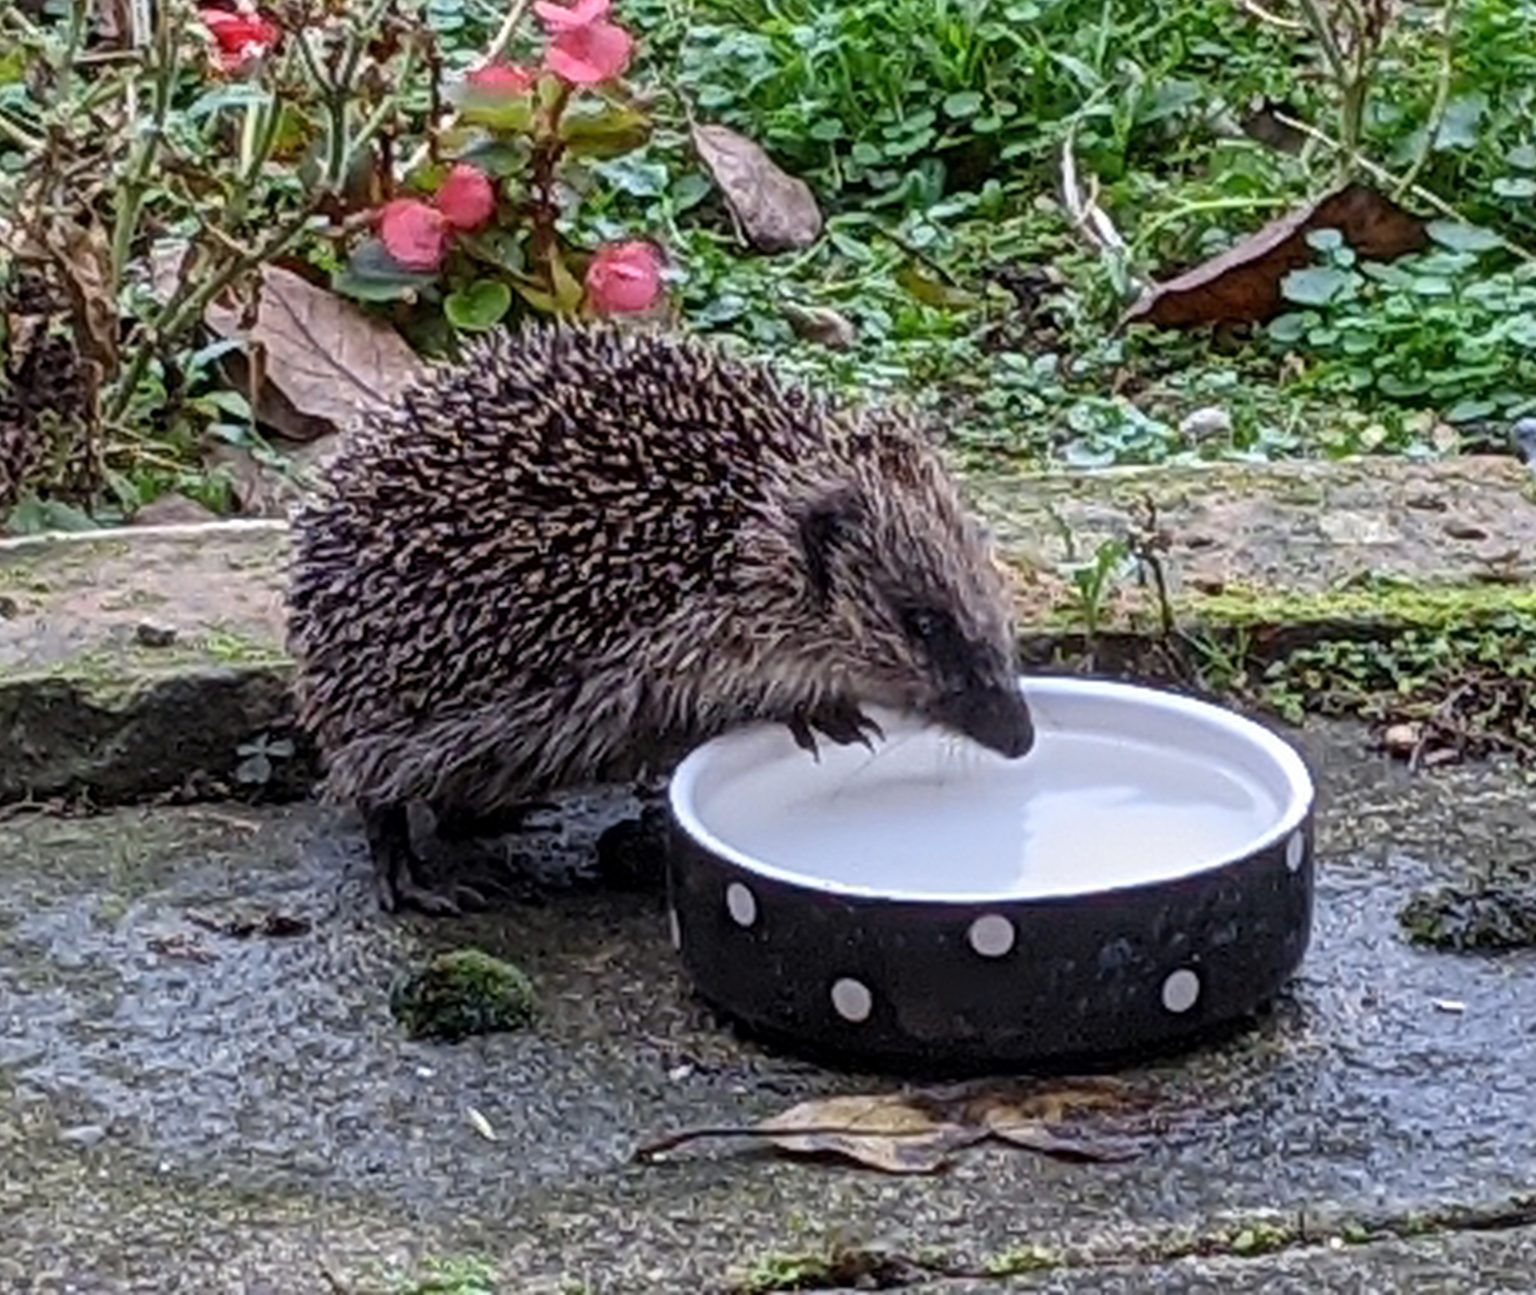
column 187, row 1111
column 1298, row 550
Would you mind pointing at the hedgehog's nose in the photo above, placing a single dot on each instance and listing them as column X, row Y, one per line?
column 998, row 718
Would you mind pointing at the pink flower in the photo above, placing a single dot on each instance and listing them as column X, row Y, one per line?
column 414, row 234
column 589, row 55
column 466, row 198
column 501, row 80
column 559, row 18
column 238, row 38
column 623, row 278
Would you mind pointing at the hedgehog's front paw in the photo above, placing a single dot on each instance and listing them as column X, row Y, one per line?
column 840, row 721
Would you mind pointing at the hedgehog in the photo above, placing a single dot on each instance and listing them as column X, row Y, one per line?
column 580, row 549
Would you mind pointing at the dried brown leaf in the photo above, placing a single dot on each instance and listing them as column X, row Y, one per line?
column 918, row 1132
column 322, row 359
column 83, row 256
column 1243, row 283
column 894, row 1133
column 777, row 212
column 1059, row 1122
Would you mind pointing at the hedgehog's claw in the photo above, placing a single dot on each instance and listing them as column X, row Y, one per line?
column 841, row 722
column 397, row 869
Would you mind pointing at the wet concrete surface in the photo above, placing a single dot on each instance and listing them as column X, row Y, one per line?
column 185, row 1110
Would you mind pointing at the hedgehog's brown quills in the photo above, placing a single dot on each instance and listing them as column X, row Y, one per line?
column 583, row 549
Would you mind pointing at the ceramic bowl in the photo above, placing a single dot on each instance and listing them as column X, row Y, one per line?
column 1144, row 875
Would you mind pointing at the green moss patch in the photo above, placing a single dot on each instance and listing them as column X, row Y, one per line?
column 463, row 993
column 1491, row 918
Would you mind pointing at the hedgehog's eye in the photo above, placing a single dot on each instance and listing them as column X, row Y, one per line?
column 925, row 625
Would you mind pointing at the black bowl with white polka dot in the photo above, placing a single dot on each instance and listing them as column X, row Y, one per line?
column 996, row 982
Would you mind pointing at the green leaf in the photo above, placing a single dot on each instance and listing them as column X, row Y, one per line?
column 638, row 178
column 1460, row 237
column 1079, row 71
column 1325, row 240
column 1319, row 285
column 13, row 67
column 1466, row 411
column 499, row 247
column 239, row 94
column 568, row 289
column 604, row 131
column 867, row 154
column 373, row 275
column 495, row 110
column 497, row 158
column 33, row 516
column 1463, row 115
column 1290, row 327
column 932, row 291
column 536, row 297
column 1515, row 186
column 1522, row 157
column 479, row 306
column 965, row 103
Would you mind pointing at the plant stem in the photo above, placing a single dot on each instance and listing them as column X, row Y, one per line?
column 136, row 184
column 1438, row 107
column 498, row 46
column 19, row 135
column 187, row 304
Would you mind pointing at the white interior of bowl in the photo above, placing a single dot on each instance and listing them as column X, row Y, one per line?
column 1125, row 786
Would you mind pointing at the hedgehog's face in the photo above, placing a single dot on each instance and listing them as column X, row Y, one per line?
column 917, row 611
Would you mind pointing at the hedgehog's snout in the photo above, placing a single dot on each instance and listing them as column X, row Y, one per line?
column 998, row 718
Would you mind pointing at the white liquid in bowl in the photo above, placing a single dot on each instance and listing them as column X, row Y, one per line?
column 1114, row 794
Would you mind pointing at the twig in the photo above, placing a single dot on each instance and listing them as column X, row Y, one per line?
column 1384, row 176
column 1093, row 223
column 1273, row 19
column 187, row 304
column 1438, row 107
column 19, row 136
column 498, row 46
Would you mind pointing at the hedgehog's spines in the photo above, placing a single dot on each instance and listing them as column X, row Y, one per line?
column 559, row 558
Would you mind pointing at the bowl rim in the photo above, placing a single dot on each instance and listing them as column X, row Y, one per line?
column 1297, row 806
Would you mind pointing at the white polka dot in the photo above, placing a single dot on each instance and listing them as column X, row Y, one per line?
column 852, row 1000
column 675, row 927
column 1295, row 850
column 741, row 904
column 1181, row 990
column 992, row 935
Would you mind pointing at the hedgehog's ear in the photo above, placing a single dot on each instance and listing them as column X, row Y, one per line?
column 825, row 523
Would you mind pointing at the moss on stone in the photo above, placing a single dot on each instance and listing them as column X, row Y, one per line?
column 1395, row 606
column 1494, row 917
column 462, row 993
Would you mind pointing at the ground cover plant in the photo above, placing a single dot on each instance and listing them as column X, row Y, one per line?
column 995, row 183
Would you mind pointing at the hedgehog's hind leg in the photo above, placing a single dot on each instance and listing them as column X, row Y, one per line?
column 398, row 871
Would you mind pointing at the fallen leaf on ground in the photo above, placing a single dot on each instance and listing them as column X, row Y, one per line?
column 1242, row 284
column 323, row 359
column 897, row 1134
column 777, row 212
column 320, row 360
column 919, row 1132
